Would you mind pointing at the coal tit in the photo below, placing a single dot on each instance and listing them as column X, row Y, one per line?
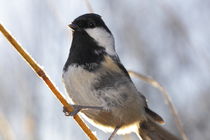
column 97, row 82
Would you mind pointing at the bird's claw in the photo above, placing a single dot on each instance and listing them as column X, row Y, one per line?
column 76, row 109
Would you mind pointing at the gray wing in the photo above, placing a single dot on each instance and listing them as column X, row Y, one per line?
column 115, row 89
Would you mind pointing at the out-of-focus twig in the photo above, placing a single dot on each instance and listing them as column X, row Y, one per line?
column 46, row 79
column 167, row 99
column 5, row 129
column 88, row 5
column 180, row 31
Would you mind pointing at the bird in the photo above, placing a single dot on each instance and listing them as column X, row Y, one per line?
column 97, row 82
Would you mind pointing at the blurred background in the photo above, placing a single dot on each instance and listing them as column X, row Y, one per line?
column 167, row 40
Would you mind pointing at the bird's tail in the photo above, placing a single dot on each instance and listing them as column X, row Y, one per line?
column 154, row 116
column 150, row 130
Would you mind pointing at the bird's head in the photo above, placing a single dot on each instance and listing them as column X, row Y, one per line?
column 95, row 27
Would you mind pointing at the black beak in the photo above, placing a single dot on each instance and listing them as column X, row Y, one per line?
column 74, row 27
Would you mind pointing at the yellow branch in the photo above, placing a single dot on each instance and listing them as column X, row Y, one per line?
column 46, row 79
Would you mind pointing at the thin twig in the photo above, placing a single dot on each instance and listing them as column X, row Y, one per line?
column 88, row 5
column 167, row 99
column 46, row 79
column 5, row 128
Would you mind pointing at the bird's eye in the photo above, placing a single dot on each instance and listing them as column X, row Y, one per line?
column 91, row 25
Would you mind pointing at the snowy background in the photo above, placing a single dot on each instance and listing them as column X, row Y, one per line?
column 167, row 40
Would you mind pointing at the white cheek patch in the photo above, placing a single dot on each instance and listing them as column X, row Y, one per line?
column 103, row 38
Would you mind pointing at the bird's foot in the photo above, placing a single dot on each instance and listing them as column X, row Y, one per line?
column 78, row 108
column 114, row 132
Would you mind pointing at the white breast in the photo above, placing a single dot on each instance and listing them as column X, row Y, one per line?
column 78, row 85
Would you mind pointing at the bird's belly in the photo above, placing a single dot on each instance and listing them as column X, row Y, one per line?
column 108, row 120
column 125, row 108
column 78, row 83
